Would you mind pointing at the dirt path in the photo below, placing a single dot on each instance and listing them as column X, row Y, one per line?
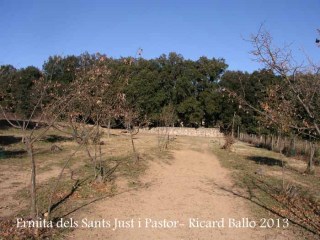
column 184, row 189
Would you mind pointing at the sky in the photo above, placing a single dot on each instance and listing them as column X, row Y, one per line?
column 33, row 30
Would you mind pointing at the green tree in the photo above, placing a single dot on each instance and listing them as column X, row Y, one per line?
column 61, row 69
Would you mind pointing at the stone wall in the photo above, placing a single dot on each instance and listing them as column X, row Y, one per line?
column 183, row 131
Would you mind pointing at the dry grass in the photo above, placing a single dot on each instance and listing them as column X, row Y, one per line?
column 77, row 187
column 259, row 173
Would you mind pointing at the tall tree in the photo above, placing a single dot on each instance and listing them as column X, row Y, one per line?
column 61, row 69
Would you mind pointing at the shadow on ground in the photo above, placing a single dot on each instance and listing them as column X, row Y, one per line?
column 4, row 124
column 266, row 161
column 11, row 153
column 291, row 211
column 56, row 138
column 8, row 140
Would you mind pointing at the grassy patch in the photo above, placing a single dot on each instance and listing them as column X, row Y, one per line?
column 74, row 194
column 78, row 187
column 259, row 175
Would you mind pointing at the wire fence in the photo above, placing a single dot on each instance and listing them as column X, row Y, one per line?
column 289, row 146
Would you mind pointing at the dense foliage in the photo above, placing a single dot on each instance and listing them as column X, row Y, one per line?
column 193, row 90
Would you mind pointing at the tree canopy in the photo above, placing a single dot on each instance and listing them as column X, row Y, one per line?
column 193, row 90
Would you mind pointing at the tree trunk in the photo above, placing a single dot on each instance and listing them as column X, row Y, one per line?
column 109, row 126
column 292, row 151
column 294, row 146
column 168, row 139
column 101, row 170
column 33, row 209
column 232, row 130
column 305, row 147
column 133, row 147
column 310, row 167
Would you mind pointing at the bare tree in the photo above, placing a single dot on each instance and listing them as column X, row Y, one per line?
column 298, row 92
column 47, row 109
column 130, row 118
column 293, row 103
column 167, row 119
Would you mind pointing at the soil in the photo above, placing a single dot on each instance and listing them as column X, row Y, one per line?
column 186, row 188
column 14, row 179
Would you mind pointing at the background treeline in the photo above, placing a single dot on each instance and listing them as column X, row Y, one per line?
column 192, row 92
